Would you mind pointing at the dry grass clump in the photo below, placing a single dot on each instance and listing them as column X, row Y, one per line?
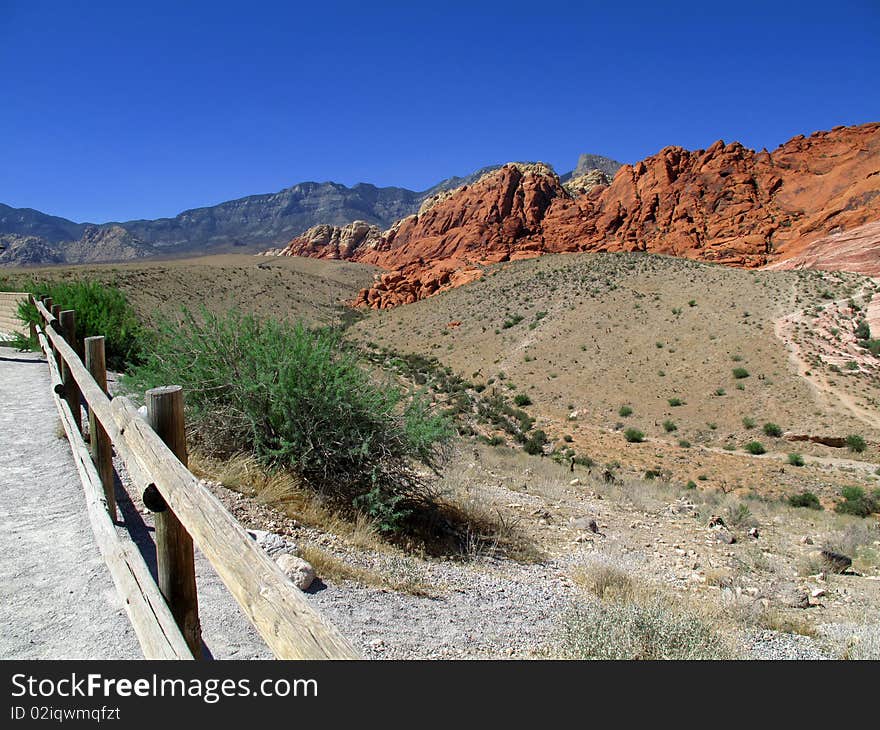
column 605, row 576
column 859, row 539
column 774, row 619
column 629, row 618
column 460, row 525
column 284, row 492
column 650, row 629
column 469, row 529
column 398, row 576
column 864, row 643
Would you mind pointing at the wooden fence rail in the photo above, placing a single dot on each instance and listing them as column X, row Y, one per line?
column 187, row 513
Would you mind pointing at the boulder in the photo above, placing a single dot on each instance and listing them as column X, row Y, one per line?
column 299, row 571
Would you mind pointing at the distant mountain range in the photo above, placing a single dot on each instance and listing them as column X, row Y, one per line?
column 253, row 223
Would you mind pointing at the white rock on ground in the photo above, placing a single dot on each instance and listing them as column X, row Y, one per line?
column 300, row 571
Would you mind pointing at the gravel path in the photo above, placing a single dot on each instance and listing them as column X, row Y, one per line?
column 57, row 599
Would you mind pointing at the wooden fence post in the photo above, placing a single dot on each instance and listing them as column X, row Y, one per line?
column 174, row 546
column 55, row 311
column 102, row 451
column 32, row 328
column 67, row 318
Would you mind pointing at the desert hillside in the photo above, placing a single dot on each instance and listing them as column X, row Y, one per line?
column 304, row 289
column 698, row 357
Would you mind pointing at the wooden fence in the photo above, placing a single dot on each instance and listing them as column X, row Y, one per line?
column 165, row 616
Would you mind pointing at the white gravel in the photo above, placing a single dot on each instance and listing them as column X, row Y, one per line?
column 57, row 599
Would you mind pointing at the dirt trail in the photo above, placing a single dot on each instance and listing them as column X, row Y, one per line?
column 57, row 599
column 826, row 393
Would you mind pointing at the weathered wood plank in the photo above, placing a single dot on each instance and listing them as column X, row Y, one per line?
column 150, row 616
column 277, row 609
column 174, row 546
column 102, row 451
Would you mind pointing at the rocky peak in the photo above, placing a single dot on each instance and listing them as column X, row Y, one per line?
column 332, row 242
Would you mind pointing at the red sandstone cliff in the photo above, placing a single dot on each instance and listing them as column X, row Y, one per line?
column 725, row 204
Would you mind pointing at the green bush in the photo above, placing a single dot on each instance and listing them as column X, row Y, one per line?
column 856, row 443
column 805, row 499
column 748, row 422
column 100, row 310
column 755, row 447
column 675, row 402
column 856, row 502
column 624, row 411
column 534, row 443
column 634, row 436
column 521, row 399
column 669, row 426
column 512, row 321
column 795, row 459
column 771, row 429
column 298, row 399
column 740, row 373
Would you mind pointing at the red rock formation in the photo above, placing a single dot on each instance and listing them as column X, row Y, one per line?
column 856, row 249
column 726, row 204
column 332, row 242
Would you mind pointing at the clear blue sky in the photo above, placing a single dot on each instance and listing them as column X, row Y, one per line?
column 119, row 110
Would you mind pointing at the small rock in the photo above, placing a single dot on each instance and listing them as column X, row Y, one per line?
column 806, row 540
column 818, row 592
column 716, row 521
column 753, row 533
column 270, row 542
column 299, row 571
column 574, row 482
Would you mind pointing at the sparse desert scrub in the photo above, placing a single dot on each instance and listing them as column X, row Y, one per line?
column 298, row 399
column 755, row 448
column 857, row 502
column 805, row 499
column 771, row 429
column 856, row 538
column 648, row 629
column 605, row 576
column 396, row 575
column 856, row 443
column 634, row 436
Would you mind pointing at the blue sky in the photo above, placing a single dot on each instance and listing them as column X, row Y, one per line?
column 112, row 111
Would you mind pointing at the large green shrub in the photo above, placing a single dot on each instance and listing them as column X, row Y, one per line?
column 634, row 436
column 100, row 310
column 298, row 399
column 856, row 443
column 805, row 499
column 856, row 502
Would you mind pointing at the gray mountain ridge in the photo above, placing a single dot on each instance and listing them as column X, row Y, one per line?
column 253, row 223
